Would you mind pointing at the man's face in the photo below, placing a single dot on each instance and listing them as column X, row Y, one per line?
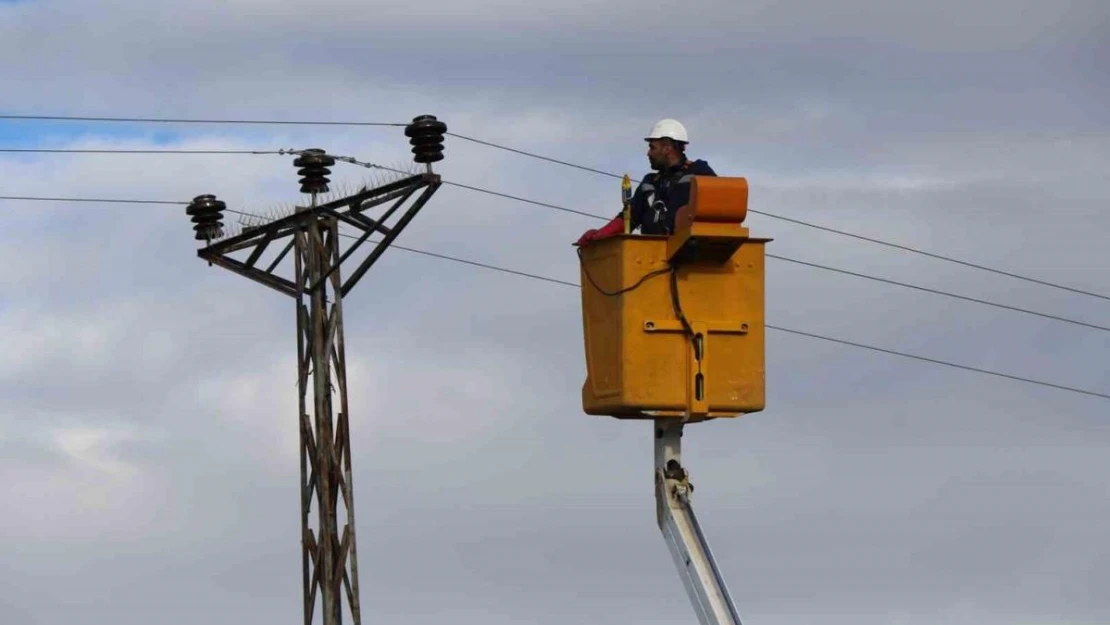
column 658, row 153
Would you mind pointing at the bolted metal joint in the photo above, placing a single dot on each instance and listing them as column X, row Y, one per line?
column 674, row 471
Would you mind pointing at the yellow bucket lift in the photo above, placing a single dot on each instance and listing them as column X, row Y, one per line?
column 673, row 325
column 673, row 332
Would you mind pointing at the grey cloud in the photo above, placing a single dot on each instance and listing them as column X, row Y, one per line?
column 872, row 489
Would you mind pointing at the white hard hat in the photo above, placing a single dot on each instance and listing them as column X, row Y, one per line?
column 670, row 129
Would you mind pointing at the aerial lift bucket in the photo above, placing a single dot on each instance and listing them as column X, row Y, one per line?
column 674, row 326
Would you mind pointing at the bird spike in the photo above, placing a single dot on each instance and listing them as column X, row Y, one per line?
column 336, row 191
column 232, row 230
column 404, row 169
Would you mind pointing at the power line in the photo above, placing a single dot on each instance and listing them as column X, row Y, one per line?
column 932, row 255
column 773, row 256
column 807, row 224
column 69, row 118
column 525, row 200
column 114, row 201
column 572, row 284
column 136, row 151
column 544, row 158
column 940, row 362
column 787, row 330
column 800, row 222
column 478, row 264
column 87, row 199
column 815, row 265
column 348, row 159
column 944, row 293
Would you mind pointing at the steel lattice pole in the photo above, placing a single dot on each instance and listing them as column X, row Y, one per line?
column 329, row 562
column 325, row 444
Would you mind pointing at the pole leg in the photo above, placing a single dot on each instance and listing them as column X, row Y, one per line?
column 309, row 548
column 330, row 564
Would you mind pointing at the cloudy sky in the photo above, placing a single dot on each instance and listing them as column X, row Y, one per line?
column 148, row 451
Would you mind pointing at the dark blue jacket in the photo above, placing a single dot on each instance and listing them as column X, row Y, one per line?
column 661, row 194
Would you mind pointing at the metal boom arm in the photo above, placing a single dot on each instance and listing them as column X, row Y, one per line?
column 703, row 581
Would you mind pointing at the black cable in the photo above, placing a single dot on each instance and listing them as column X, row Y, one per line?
column 544, row 158
column 114, row 201
column 772, row 256
column 676, row 304
column 574, row 285
column 939, row 362
column 194, row 121
column 520, row 199
column 945, row 293
column 798, row 332
column 87, row 199
column 766, row 214
column 128, row 151
column 813, row 225
column 851, row 273
column 897, row 246
column 347, row 159
column 643, row 279
column 474, row 263
column 932, row 255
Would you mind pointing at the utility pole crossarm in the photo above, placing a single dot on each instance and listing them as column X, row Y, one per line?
column 705, row 586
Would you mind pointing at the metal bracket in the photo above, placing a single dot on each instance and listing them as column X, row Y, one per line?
column 348, row 210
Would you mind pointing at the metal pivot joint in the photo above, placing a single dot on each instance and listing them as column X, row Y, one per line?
column 705, row 586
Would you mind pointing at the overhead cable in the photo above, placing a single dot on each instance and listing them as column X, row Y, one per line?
column 772, row 256
column 572, row 284
column 74, row 118
column 783, row 329
column 800, row 222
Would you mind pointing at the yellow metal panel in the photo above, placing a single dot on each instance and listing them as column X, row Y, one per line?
column 640, row 362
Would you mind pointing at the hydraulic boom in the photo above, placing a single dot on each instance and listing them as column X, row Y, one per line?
column 704, row 584
column 677, row 350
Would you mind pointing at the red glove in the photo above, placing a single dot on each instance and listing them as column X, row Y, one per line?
column 612, row 228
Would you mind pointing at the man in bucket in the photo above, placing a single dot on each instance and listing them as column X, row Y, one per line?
column 662, row 192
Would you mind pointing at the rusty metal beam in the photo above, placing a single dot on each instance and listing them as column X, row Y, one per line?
column 330, row 570
column 388, row 239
